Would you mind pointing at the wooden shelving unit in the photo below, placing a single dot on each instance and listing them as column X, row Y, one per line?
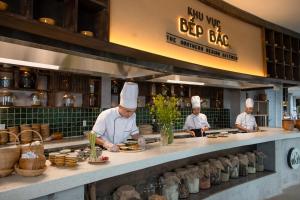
column 71, row 16
column 282, row 55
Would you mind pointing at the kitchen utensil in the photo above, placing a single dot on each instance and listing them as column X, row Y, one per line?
column 98, row 161
column 29, row 173
column 6, row 98
column 3, row 6
column 47, row 20
column 87, row 33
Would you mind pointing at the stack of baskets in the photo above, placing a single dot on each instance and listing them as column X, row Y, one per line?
column 9, row 156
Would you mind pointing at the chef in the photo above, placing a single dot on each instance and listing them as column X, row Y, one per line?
column 245, row 121
column 116, row 125
column 196, row 123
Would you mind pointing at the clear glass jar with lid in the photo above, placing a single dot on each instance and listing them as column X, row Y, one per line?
column 6, row 98
column 192, row 178
column 170, row 183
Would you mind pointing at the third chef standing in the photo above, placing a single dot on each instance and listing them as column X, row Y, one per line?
column 196, row 123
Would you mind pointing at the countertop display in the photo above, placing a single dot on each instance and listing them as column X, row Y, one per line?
column 59, row 179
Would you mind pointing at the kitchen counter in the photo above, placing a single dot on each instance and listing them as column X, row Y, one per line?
column 81, row 141
column 59, row 179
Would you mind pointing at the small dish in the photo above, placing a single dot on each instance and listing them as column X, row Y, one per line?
column 87, row 33
column 47, row 20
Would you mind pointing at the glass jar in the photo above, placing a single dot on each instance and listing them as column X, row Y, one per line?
column 205, row 179
column 225, row 174
column 170, row 183
column 243, row 165
column 260, row 156
column 27, row 78
column 234, row 171
column 6, row 77
column 68, row 100
column 183, row 186
column 35, row 99
column 215, row 171
column 252, row 163
column 6, row 98
column 192, row 178
column 92, row 100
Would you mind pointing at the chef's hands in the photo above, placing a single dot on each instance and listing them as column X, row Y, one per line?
column 111, row 147
column 192, row 133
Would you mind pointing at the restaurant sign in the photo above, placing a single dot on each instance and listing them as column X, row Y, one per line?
column 293, row 158
column 190, row 31
column 192, row 27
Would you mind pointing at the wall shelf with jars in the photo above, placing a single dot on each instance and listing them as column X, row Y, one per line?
column 28, row 87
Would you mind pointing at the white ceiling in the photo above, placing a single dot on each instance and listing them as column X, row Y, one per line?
column 285, row 13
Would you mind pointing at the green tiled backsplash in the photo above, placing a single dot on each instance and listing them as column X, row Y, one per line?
column 70, row 120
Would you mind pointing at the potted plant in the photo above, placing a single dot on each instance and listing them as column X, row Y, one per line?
column 166, row 113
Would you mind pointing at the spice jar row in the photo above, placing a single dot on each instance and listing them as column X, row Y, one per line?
column 182, row 182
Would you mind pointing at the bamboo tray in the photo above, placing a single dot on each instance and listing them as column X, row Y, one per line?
column 29, row 173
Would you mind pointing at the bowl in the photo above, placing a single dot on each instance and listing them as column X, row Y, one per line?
column 87, row 33
column 3, row 6
column 47, row 20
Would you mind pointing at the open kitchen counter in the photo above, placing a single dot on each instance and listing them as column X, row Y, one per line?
column 59, row 179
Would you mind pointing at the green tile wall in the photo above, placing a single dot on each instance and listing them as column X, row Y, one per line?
column 69, row 120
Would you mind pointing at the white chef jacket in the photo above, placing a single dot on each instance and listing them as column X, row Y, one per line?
column 246, row 121
column 195, row 122
column 114, row 128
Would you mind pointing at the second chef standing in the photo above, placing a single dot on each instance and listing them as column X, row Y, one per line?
column 196, row 123
column 116, row 125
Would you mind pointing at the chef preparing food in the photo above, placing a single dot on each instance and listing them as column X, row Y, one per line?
column 116, row 125
column 196, row 123
column 245, row 121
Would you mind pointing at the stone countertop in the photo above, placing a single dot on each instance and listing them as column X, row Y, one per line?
column 60, row 179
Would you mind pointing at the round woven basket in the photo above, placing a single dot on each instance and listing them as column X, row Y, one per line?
column 9, row 156
column 29, row 173
column 14, row 130
column 37, row 149
column 32, row 163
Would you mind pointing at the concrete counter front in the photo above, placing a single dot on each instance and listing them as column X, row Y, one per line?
column 58, row 181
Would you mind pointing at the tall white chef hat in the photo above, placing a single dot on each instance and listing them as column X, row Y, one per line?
column 129, row 95
column 196, row 102
column 249, row 103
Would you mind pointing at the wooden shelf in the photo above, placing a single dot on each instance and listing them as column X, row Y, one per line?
column 283, row 57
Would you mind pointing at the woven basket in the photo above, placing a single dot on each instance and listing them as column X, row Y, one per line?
column 26, row 136
column 37, row 128
column 45, row 131
column 29, row 173
column 38, row 149
column 3, row 136
column 10, row 155
column 14, row 130
column 32, row 163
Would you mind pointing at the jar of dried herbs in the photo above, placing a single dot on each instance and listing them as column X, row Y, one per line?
column 192, row 178
column 170, row 183
column 215, row 171
column 260, row 157
column 205, row 179
column 252, row 163
column 183, row 185
column 243, row 161
column 225, row 174
column 234, row 171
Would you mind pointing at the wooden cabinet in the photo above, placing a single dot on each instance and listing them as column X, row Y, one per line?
column 282, row 55
column 72, row 16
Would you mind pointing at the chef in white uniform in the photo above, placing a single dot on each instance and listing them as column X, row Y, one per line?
column 245, row 121
column 116, row 125
column 196, row 123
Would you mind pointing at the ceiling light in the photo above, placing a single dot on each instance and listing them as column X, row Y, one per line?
column 28, row 64
column 185, row 82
